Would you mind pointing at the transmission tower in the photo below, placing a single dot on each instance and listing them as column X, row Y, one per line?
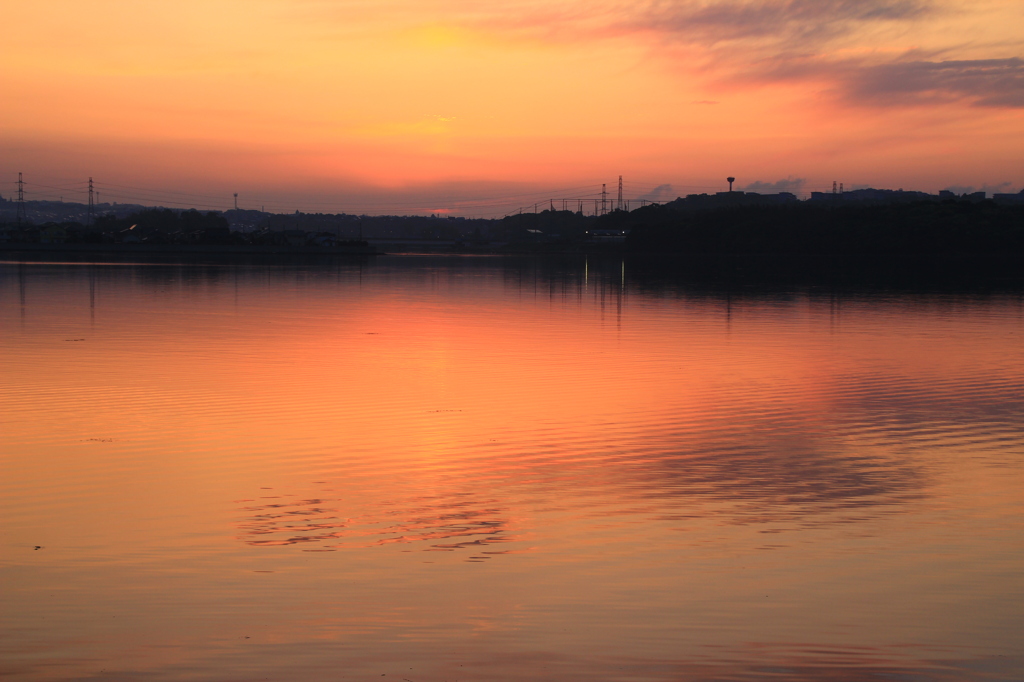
column 21, row 201
column 91, row 204
column 620, row 193
column 604, row 198
column 236, row 201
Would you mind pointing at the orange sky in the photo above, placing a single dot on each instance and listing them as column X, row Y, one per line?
column 414, row 105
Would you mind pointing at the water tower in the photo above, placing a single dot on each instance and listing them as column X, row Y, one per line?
column 731, row 180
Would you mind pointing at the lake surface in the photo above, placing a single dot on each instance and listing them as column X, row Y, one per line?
column 476, row 469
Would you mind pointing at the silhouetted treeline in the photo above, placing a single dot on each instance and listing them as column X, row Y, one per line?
column 547, row 226
column 732, row 227
column 166, row 226
column 948, row 227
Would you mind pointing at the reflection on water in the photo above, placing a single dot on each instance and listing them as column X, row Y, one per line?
column 504, row 469
column 443, row 524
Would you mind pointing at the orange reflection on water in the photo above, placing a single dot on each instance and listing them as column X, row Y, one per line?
column 472, row 463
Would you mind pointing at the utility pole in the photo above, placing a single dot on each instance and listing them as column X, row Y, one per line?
column 21, row 201
column 91, row 204
column 620, row 192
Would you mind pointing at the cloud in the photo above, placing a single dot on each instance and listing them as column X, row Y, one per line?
column 659, row 194
column 697, row 21
column 771, row 41
column 774, row 41
column 983, row 82
column 790, row 21
column 900, row 81
column 766, row 42
column 790, row 184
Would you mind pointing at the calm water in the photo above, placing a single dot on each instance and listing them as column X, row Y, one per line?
column 482, row 469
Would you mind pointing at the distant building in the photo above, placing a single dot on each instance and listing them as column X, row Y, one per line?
column 1017, row 198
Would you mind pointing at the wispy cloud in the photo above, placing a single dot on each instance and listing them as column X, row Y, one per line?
column 900, row 81
column 775, row 41
column 794, row 22
column 983, row 82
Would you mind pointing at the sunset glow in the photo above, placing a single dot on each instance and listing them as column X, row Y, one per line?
column 401, row 106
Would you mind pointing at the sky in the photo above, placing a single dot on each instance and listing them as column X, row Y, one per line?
column 476, row 108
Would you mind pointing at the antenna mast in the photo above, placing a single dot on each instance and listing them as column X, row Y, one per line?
column 21, row 201
column 91, row 203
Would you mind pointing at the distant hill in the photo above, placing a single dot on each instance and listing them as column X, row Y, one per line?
column 921, row 227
